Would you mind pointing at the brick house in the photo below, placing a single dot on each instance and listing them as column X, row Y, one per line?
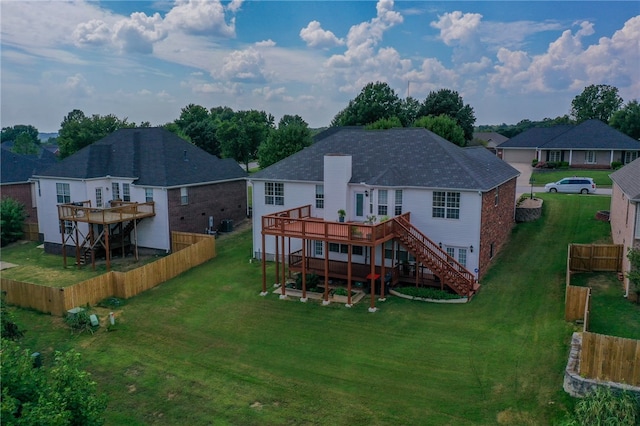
column 411, row 199
column 590, row 144
column 16, row 171
column 625, row 212
column 167, row 183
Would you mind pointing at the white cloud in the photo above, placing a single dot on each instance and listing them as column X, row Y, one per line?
column 243, row 66
column 76, row 85
column 203, row 17
column 457, row 26
column 316, row 37
column 269, row 94
column 364, row 37
column 266, row 43
column 94, row 32
column 138, row 33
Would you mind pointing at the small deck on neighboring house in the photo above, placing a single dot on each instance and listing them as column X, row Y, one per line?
column 109, row 229
column 433, row 266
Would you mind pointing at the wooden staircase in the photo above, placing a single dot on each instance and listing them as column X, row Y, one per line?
column 450, row 272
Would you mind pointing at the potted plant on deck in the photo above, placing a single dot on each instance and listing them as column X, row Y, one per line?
column 341, row 215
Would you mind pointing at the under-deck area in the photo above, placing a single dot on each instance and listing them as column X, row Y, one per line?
column 109, row 230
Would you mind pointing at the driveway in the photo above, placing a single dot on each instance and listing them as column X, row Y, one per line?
column 524, row 187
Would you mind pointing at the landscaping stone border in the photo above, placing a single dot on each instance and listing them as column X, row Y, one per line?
column 423, row 299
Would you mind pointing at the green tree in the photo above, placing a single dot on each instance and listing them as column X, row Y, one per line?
column 634, row 271
column 12, row 217
column 596, row 101
column 11, row 133
column 384, row 123
column 23, row 144
column 409, row 111
column 291, row 136
column 61, row 394
column 241, row 136
column 375, row 101
column 78, row 131
column 449, row 102
column 443, row 126
column 9, row 329
column 196, row 122
column 627, row 119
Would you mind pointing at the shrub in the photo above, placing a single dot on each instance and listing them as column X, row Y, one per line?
column 604, row 407
column 564, row 165
column 534, row 162
column 312, row 281
column 9, row 328
column 615, row 165
column 80, row 321
column 428, row 293
column 12, row 216
column 341, row 291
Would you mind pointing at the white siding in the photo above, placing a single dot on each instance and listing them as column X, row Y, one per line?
column 463, row 232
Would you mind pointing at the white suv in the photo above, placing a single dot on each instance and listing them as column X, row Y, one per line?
column 578, row 185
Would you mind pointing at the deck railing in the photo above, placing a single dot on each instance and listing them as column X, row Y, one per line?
column 119, row 211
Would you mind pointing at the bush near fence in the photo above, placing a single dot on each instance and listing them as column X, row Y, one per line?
column 189, row 250
column 602, row 357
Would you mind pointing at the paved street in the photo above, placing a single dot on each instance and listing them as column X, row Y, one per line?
column 523, row 186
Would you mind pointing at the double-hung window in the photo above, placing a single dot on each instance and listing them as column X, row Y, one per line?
column 382, row 202
column 98, row 197
column 148, row 195
column 63, row 193
column 115, row 190
column 398, row 209
column 274, row 193
column 318, row 248
column 184, row 196
column 319, row 196
column 126, row 192
column 446, row 204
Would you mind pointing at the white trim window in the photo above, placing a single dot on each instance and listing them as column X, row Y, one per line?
column 148, row 195
column 555, row 156
column 382, row 203
column 459, row 254
column 115, row 190
column 319, row 248
column 319, row 196
column 398, row 206
column 98, row 197
column 184, row 196
column 126, row 192
column 66, row 227
column 630, row 156
column 63, row 193
column 274, row 193
column 446, row 204
column 590, row 157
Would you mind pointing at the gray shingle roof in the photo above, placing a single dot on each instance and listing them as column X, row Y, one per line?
column 588, row 135
column 401, row 157
column 17, row 168
column 152, row 156
column 628, row 179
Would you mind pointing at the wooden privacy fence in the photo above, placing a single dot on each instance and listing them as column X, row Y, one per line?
column 595, row 257
column 124, row 285
column 577, row 304
column 31, row 232
column 610, row 358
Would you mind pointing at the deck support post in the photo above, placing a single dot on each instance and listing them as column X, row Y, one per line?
column 107, row 228
column 64, row 250
column 264, row 268
column 284, row 263
column 304, row 269
column 349, row 275
column 372, row 307
column 277, row 260
column 325, row 300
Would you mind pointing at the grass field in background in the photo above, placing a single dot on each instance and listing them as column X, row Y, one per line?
column 600, row 177
column 205, row 348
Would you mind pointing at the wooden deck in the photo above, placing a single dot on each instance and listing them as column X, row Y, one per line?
column 119, row 212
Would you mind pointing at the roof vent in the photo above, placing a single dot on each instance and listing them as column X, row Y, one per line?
column 185, row 155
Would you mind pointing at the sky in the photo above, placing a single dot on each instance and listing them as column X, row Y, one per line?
column 145, row 61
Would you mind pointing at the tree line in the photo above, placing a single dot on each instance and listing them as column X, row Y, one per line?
column 251, row 134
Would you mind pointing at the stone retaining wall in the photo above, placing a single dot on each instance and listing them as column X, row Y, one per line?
column 529, row 210
column 578, row 386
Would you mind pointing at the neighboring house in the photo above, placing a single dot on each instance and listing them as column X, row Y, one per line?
column 590, row 144
column 16, row 170
column 146, row 180
column 490, row 140
column 439, row 209
column 625, row 211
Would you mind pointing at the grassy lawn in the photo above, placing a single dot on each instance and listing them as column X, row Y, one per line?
column 205, row 348
column 600, row 177
column 36, row 266
column 611, row 313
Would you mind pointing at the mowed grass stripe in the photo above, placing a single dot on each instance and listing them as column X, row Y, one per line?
column 205, row 348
